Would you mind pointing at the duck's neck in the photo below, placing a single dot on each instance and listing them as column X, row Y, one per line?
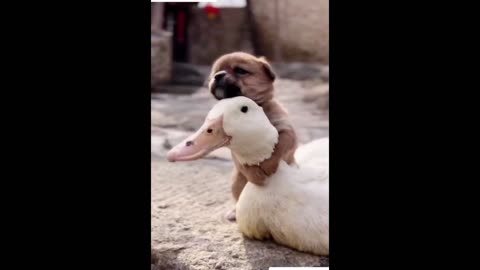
column 252, row 151
column 246, row 157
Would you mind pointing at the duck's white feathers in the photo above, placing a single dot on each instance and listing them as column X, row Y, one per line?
column 314, row 153
column 292, row 207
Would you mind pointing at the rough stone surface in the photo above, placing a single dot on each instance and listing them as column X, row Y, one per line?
column 302, row 71
column 211, row 38
column 189, row 74
column 189, row 200
column 161, row 58
column 302, row 32
column 325, row 73
column 319, row 94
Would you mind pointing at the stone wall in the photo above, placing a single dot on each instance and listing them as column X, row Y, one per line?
column 210, row 39
column 303, row 30
column 161, row 58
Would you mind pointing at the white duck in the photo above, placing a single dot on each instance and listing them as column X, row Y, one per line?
column 292, row 207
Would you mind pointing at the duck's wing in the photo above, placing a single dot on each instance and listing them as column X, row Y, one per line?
column 314, row 153
column 313, row 162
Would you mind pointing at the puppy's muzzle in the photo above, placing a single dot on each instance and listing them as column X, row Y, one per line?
column 223, row 87
column 220, row 75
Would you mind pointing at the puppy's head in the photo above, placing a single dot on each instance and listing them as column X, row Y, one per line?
column 242, row 74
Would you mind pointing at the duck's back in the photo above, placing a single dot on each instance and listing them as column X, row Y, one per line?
column 292, row 208
column 314, row 154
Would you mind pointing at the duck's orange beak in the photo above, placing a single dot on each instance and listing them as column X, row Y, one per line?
column 208, row 138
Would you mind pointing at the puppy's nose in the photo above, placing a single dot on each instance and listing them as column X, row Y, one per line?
column 219, row 75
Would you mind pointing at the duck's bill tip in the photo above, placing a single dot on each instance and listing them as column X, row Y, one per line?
column 208, row 138
column 186, row 154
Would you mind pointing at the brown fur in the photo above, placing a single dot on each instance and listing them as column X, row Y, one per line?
column 258, row 86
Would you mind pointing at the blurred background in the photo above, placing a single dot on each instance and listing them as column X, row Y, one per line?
column 197, row 33
column 190, row 199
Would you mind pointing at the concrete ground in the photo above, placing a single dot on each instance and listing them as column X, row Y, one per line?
column 189, row 200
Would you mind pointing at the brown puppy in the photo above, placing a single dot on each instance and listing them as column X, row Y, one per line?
column 242, row 74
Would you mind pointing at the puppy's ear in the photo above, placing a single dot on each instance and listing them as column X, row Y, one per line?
column 267, row 67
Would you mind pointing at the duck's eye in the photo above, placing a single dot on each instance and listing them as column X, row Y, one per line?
column 209, row 130
column 244, row 109
column 240, row 71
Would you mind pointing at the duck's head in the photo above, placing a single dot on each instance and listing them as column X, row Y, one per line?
column 237, row 123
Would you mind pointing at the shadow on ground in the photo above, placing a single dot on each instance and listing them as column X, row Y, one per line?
column 264, row 254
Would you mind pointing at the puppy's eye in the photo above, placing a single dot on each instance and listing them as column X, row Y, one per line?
column 240, row 71
column 244, row 109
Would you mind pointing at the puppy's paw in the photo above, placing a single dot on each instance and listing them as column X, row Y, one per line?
column 255, row 174
column 231, row 216
column 270, row 166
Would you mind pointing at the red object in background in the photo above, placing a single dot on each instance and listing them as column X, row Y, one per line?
column 181, row 26
column 212, row 12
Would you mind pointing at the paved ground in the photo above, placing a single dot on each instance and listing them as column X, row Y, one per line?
column 189, row 200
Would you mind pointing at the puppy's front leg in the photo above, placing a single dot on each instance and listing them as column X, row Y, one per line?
column 284, row 149
column 238, row 183
column 254, row 174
